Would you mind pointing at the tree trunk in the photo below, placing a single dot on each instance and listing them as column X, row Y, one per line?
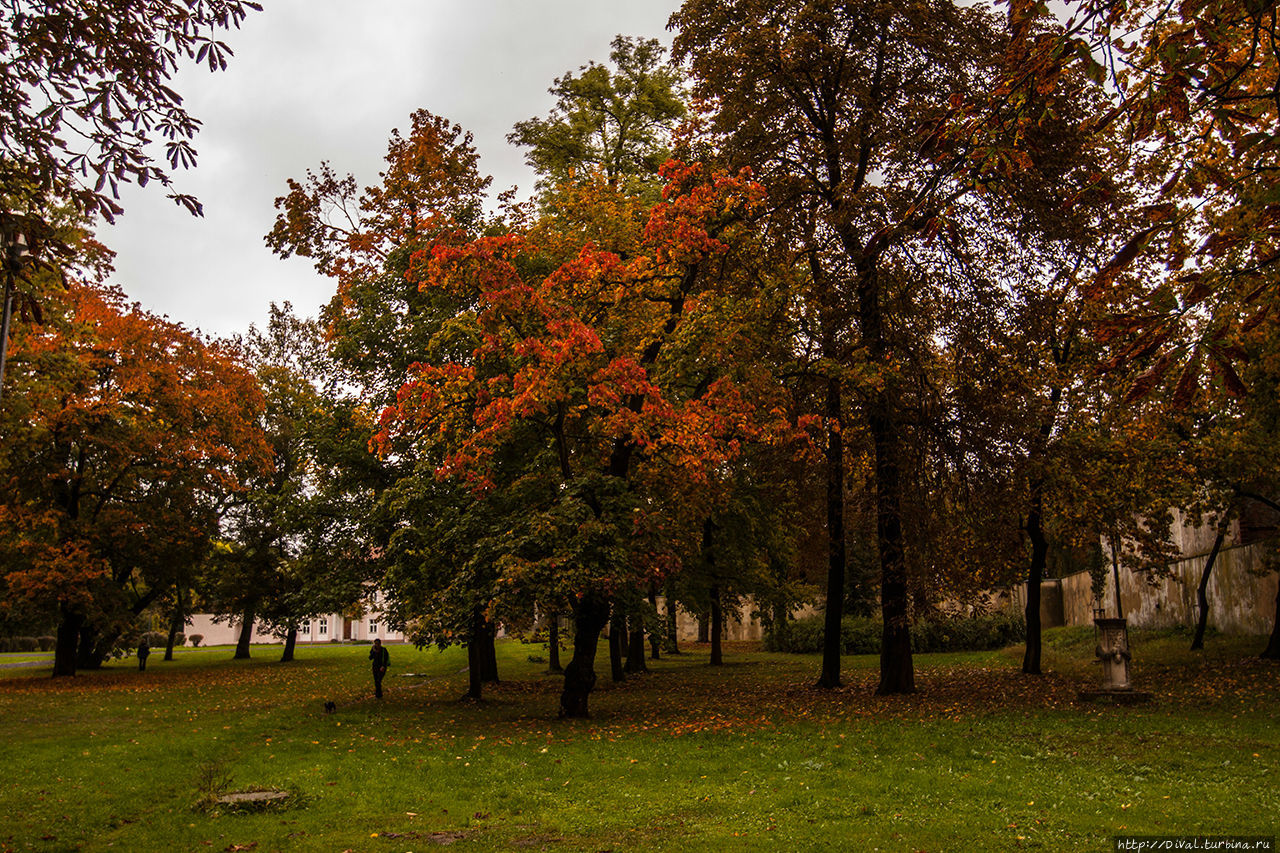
column 654, row 640
column 553, row 644
column 589, row 618
column 617, row 639
column 1035, row 576
column 174, row 627
column 246, row 633
column 64, row 652
column 177, row 623
column 1115, row 574
column 635, row 645
column 673, row 624
column 87, row 645
column 831, row 634
column 475, row 665
column 1272, row 651
column 1202, row 594
column 488, row 651
column 290, row 643
column 717, row 627
column 897, row 671
column 704, row 628
column 102, row 648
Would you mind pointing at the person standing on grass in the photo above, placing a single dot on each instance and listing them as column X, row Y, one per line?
column 381, row 659
column 143, row 651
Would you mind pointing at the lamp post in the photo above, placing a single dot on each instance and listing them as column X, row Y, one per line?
column 15, row 253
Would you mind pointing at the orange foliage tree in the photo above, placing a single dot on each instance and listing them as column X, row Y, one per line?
column 122, row 432
column 612, row 367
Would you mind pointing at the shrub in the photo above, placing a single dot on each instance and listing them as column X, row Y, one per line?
column 4, row 645
column 47, row 643
column 26, row 644
column 862, row 636
column 196, row 639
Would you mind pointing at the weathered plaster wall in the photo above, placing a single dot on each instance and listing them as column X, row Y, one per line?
column 1242, row 599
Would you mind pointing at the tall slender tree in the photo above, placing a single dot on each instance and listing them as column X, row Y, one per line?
column 836, row 105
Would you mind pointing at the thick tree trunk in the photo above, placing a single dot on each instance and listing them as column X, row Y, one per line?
column 475, row 665
column 831, row 633
column 290, row 643
column 1035, row 576
column 553, row 644
column 717, row 627
column 635, row 645
column 102, row 648
column 1202, row 594
column 174, row 627
column 673, row 624
column 246, row 633
column 488, row 652
column 617, row 639
column 68, row 641
column 897, row 671
column 1272, row 651
column 654, row 640
column 589, row 618
column 87, row 645
column 704, row 628
column 781, row 626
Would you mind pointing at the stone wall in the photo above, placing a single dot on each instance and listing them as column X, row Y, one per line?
column 1242, row 598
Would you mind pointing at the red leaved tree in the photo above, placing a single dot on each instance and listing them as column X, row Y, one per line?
column 122, row 432
column 612, row 366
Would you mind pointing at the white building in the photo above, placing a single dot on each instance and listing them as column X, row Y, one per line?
column 332, row 627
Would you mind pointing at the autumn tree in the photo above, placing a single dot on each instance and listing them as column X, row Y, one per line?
column 1192, row 96
column 123, row 430
column 615, row 118
column 431, row 193
column 373, row 242
column 837, row 105
column 587, row 387
column 86, row 93
column 295, row 541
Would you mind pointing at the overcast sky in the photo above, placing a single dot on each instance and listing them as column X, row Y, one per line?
column 315, row 80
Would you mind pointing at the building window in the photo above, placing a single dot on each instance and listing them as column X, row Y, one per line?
column 373, row 627
column 306, row 629
column 324, row 627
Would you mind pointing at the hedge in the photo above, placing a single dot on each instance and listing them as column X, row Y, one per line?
column 861, row 636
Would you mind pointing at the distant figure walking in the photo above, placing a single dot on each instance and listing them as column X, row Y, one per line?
column 381, row 659
column 143, row 651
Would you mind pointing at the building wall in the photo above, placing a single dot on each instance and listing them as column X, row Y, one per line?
column 1241, row 592
column 1242, row 600
column 320, row 630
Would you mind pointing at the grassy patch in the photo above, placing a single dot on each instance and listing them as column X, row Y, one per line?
column 749, row 756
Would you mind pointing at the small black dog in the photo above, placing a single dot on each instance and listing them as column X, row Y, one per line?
column 329, row 707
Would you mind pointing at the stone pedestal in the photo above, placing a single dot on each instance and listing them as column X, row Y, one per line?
column 1113, row 653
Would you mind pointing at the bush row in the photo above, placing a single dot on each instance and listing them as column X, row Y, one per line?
column 27, row 644
column 155, row 639
column 861, row 636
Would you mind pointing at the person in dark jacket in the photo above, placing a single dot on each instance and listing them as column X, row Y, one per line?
column 381, row 659
column 143, row 651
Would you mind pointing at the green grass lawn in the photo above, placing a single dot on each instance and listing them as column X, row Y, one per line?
column 748, row 756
